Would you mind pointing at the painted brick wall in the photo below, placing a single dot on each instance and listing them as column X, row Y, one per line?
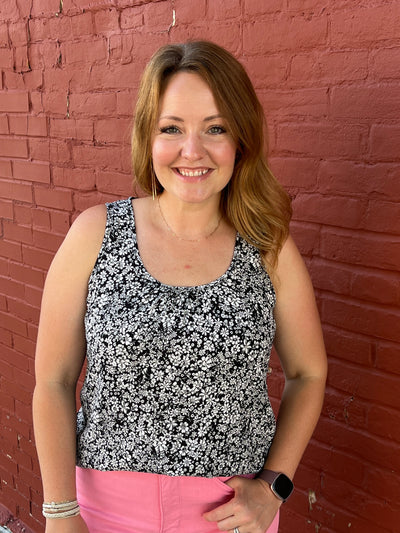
column 327, row 72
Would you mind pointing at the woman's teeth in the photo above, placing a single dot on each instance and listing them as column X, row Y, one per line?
column 192, row 173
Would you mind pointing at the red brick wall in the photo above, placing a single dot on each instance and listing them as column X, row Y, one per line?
column 328, row 74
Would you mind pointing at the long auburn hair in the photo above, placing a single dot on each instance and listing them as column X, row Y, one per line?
column 253, row 201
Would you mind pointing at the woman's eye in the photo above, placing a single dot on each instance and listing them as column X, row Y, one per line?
column 169, row 129
column 217, row 130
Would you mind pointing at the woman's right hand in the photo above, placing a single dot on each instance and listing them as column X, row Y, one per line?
column 75, row 524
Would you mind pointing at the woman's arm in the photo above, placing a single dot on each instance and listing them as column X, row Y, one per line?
column 60, row 353
column 300, row 348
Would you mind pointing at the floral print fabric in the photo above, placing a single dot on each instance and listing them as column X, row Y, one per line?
column 176, row 376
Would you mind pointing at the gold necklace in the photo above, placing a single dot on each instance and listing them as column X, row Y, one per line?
column 184, row 238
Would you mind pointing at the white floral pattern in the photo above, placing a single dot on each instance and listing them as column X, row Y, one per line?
column 176, row 376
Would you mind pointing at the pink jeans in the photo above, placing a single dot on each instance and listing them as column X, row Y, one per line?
column 135, row 502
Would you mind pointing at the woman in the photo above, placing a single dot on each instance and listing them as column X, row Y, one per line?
column 175, row 300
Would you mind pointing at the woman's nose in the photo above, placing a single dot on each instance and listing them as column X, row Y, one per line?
column 192, row 148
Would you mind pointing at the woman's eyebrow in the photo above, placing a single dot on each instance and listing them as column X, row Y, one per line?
column 178, row 119
column 171, row 117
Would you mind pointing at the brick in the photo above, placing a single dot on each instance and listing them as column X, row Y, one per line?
column 39, row 29
column 331, row 277
column 6, row 209
column 387, row 357
column 56, row 102
column 12, row 323
column 15, row 191
column 12, row 102
column 10, row 250
column 4, row 130
column 114, row 183
column 60, row 222
column 60, row 153
column 385, row 141
column 381, row 287
column 93, row 104
column 82, row 24
column 36, row 102
column 6, row 58
column 61, row 28
column 113, row 130
column 81, row 129
column 328, row 210
column 26, row 312
column 32, row 171
column 27, row 81
column 308, row 102
column 187, row 12
column 267, row 70
column 18, row 124
column 40, row 259
column 276, row 33
column 323, row 140
column 33, row 297
column 125, row 103
column 5, row 168
column 88, row 52
column 383, row 216
column 23, row 345
column 158, row 15
column 362, row 26
column 371, row 320
column 312, row 67
column 27, row 274
column 371, row 448
column 4, row 41
column 21, row 59
column 306, row 237
column 295, row 171
column 362, row 103
column 380, row 481
column 224, row 11
column 54, row 198
column 39, row 149
column 40, row 218
column 384, row 63
column 107, row 157
column 384, row 422
column 259, row 7
column 37, row 126
column 131, row 18
column 106, row 20
column 74, row 178
column 13, row 148
column 17, row 233
column 47, row 241
column 45, row 8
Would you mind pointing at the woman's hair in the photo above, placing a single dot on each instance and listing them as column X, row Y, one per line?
column 253, row 201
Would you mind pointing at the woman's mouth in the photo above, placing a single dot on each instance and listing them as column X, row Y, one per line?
column 193, row 174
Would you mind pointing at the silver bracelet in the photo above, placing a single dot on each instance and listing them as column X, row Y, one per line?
column 61, row 509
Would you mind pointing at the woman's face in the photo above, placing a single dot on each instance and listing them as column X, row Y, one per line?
column 193, row 152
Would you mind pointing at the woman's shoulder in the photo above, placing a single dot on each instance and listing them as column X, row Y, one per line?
column 290, row 267
column 81, row 245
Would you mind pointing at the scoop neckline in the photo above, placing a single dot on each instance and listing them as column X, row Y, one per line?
column 178, row 287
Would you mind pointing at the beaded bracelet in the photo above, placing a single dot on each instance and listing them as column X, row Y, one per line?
column 61, row 510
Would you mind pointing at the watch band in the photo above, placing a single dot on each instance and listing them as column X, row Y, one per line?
column 281, row 485
column 268, row 475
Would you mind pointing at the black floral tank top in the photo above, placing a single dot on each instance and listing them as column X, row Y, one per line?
column 176, row 376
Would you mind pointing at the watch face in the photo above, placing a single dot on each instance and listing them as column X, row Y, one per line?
column 283, row 486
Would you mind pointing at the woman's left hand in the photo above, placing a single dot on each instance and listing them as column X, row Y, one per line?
column 251, row 510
